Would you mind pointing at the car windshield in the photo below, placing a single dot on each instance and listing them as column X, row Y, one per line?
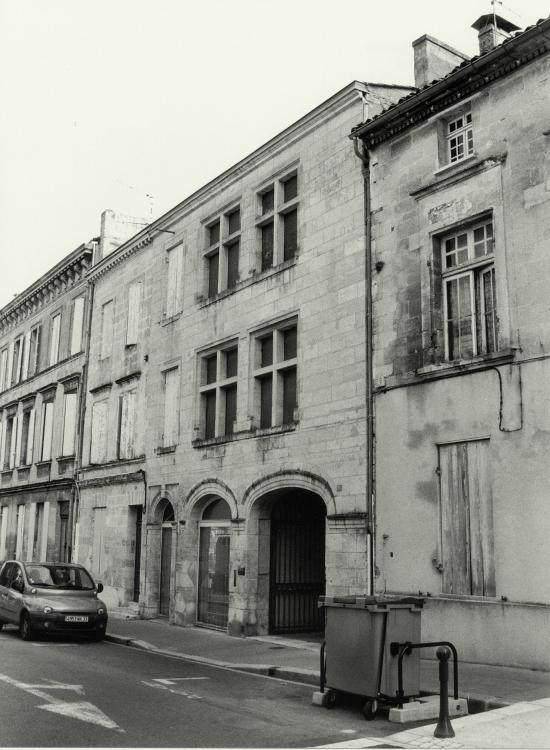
column 59, row 577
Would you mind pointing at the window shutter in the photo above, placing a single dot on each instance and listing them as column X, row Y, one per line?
column 26, row 355
column 134, row 300
column 47, row 431
column 98, row 453
column 69, row 424
column 10, row 366
column 54, row 342
column 30, row 438
column 171, row 412
column 13, row 442
column 2, row 442
column 76, row 330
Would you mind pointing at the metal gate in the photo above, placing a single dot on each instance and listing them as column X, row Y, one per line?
column 297, row 568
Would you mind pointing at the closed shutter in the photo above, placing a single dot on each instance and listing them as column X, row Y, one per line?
column 171, row 407
column 13, row 442
column 30, row 437
column 134, row 302
column 98, row 453
column 467, row 519
column 26, row 355
column 76, row 328
column 69, row 424
column 126, row 437
column 47, row 431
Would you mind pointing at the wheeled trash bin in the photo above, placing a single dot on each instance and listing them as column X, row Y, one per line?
column 356, row 655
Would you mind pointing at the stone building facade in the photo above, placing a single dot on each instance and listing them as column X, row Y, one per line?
column 224, row 468
column 43, row 335
column 460, row 204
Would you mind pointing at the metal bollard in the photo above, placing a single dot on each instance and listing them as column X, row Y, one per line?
column 443, row 728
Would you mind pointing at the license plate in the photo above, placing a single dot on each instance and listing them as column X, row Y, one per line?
column 76, row 618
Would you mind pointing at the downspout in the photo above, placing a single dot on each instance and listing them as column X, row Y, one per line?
column 81, row 416
column 363, row 154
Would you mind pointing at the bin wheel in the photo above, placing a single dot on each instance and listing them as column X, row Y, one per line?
column 330, row 699
column 370, row 708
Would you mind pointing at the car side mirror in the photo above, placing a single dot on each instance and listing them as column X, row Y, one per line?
column 99, row 587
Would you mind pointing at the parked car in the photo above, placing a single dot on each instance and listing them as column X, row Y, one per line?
column 51, row 598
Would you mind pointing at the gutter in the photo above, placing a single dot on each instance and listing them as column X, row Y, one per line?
column 363, row 155
column 474, row 69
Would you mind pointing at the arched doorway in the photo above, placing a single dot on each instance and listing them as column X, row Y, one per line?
column 166, row 559
column 214, row 543
column 297, row 562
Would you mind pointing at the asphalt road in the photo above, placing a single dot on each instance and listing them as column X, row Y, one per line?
column 78, row 694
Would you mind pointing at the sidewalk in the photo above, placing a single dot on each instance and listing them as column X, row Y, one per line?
column 521, row 696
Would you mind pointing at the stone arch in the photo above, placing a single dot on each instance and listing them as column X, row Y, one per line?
column 289, row 479
column 204, row 491
column 158, row 506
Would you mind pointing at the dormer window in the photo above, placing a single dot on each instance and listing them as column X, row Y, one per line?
column 460, row 138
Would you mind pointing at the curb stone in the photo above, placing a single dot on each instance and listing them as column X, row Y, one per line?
column 292, row 675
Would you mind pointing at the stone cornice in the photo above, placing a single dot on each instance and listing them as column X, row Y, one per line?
column 466, row 80
column 57, row 281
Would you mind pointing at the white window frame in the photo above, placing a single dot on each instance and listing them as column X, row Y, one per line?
column 460, row 136
column 474, row 268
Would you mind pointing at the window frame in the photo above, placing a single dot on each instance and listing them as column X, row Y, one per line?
column 173, row 302
column 222, row 246
column 474, row 268
column 277, row 217
column 107, row 332
column 126, row 450
column 218, row 387
column 276, row 372
column 171, row 440
column 464, row 132
column 77, row 331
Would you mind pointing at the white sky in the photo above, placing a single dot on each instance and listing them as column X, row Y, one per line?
column 104, row 102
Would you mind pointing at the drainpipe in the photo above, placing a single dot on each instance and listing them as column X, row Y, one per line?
column 81, row 416
column 363, row 154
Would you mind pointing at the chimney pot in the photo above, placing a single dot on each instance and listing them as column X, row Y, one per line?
column 492, row 30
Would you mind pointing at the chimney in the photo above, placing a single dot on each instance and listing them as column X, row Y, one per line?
column 492, row 31
column 433, row 60
column 116, row 228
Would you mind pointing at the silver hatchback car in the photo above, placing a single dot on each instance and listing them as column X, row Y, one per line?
column 51, row 598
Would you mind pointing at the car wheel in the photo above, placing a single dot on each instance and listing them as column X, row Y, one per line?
column 25, row 627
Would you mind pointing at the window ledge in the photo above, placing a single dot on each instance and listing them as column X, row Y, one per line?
column 163, row 449
column 256, row 277
column 167, row 319
column 245, row 435
column 116, row 462
column 466, row 162
column 43, row 464
column 61, row 459
column 6, row 474
column 450, row 369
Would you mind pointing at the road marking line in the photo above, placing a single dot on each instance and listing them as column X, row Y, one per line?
column 171, row 690
column 84, row 710
column 173, row 680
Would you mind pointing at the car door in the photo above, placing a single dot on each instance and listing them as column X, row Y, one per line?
column 5, row 576
column 14, row 598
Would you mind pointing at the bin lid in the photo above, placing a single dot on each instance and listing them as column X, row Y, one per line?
column 372, row 602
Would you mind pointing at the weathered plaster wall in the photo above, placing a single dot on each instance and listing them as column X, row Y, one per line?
column 418, row 407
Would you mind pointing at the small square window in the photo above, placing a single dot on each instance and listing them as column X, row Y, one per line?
column 268, row 201
column 290, row 188
column 234, row 221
